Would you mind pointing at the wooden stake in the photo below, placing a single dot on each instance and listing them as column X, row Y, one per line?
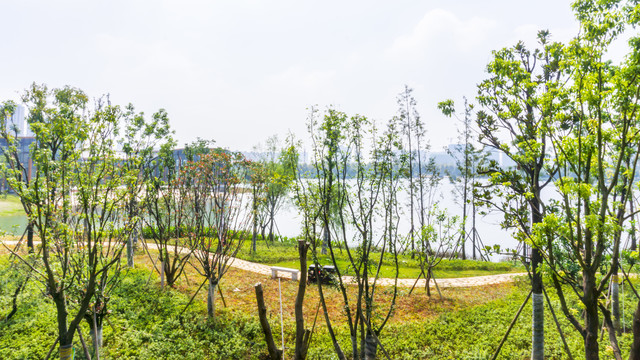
column 281, row 320
column 513, row 322
column 221, row 296
column 53, row 346
column 564, row 341
column 84, row 344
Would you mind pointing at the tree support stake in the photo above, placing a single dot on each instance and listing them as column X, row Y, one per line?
column 564, row 341
column 513, row 322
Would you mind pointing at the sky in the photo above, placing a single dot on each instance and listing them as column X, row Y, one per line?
column 239, row 71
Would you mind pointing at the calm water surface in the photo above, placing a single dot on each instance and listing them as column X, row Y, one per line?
column 288, row 221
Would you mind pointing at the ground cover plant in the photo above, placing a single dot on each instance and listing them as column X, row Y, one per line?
column 145, row 321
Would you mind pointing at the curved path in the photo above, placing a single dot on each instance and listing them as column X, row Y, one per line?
column 444, row 283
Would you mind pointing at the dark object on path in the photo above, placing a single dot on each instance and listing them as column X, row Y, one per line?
column 325, row 274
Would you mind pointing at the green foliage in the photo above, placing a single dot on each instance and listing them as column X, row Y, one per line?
column 474, row 333
column 143, row 324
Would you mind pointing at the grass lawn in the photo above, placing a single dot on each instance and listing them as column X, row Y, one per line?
column 286, row 255
column 10, row 205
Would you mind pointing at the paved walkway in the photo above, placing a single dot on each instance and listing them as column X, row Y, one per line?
column 443, row 283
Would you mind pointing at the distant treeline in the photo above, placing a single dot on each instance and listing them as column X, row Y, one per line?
column 308, row 171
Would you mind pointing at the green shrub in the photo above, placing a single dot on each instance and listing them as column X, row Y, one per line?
column 144, row 323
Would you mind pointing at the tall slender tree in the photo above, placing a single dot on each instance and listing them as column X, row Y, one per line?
column 167, row 211
column 468, row 159
column 221, row 216
column 140, row 141
column 518, row 103
column 412, row 131
column 351, row 146
column 596, row 148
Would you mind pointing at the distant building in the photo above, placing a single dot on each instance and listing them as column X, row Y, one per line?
column 18, row 122
column 18, row 125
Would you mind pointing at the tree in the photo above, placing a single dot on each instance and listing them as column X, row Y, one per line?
column 280, row 165
column 74, row 201
column 369, row 207
column 596, row 149
column 13, row 154
column 315, row 197
column 412, row 131
column 168, row 209
column 518, row 103
column 258, row 182
column 139, row 142
column 271, row 180
column 468, row 159
column 438, row 237
column 220, row 217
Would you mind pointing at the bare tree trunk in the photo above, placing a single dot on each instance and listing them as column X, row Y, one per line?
column 427, row 286
column 537, row 351
column 634, row 242
column 66, row 352
column 325, row 242
column 274, row 352
column 464, row 213
column 132, row 239
column 254, row 234
column 254, row 237
column 30, row 236
column 162, row 274
column 211, row 298
column 635, row 347
column 130, row 250
column 271, row 223
column 537, row 298
column 96, row 335
column 371, row 347
column 592, row 324
column 473, row 229
column 615, row 301
column 65, row 338
column 301, row 333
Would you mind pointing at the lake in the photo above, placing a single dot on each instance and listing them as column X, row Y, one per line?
column 288, row 221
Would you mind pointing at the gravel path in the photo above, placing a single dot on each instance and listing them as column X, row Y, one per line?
column 443, row 283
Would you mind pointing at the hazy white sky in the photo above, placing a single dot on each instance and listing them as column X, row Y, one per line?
column 238, row 71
